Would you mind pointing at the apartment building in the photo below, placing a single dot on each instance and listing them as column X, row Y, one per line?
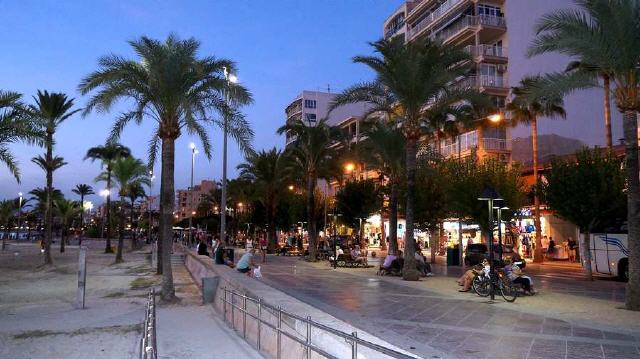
column 187, row 201
column 497, row 34
column 481, row 29
column 313, row 106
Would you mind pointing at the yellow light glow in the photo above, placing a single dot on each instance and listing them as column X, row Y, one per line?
column 291, row 188
column 495, row 118
column 349, row 167
column 239, row 204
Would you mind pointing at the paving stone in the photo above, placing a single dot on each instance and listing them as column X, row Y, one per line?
column 587, row 333
column 620, row 352
column 580, row 350
column 548, row 349
column 556, row 330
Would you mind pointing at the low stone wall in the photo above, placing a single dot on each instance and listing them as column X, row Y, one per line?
column 202, row 267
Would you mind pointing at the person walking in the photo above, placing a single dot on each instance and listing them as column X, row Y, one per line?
column 263, row 248
column 572, row 245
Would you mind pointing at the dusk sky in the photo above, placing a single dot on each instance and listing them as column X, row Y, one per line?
column 281, row 48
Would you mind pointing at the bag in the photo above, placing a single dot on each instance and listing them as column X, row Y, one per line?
column 257, row 273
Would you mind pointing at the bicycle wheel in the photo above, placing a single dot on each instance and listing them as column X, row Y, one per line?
column 508, row 290
column 481, row 286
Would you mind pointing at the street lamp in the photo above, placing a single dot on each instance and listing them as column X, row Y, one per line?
column 230, row 78
column 291, row 188
column 19, row 215
column 499, row 210
column 349, row 167
column 490, row 195
column 194, row 152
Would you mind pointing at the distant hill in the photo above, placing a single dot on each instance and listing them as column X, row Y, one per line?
column 548, row 146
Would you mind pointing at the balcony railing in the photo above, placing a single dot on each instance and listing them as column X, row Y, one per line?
column 437, row 13
column 496, row 144
column 465, row 22
column 486, row 50
column 482, row 81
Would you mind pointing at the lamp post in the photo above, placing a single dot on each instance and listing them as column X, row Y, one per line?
column 490, row 195
column 335, row 238
column 499, row 210
column 151, row 177
column 230, row 78
column 19, row 215
column 194, row 152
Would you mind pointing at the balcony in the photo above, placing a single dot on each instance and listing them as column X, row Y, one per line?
column 496, row 144
column 471, row 24
column 484, row 82
column 488, row 53
column 436, row 14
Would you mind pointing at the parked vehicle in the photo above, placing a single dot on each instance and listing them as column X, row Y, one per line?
column 609, row 254
column 477, row 252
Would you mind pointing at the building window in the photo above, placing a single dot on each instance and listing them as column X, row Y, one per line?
column 311, row 117
column 488, row 10
column 495, row 132
column 310, row 103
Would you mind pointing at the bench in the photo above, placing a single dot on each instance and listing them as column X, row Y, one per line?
column 345, row 260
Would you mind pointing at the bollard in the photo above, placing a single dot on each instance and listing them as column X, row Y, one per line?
column 82, row 277
column 309, row 337
column 259, row 322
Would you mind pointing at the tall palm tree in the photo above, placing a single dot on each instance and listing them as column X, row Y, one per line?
column 66, row 210
column 526, row 107
column 135, row 192
column 604, row 33
column 594, row 72
column 14, row 128
column 82, row 190
column 266, row 170
column 7, row 209
column 311, row 154
column 385, row 143
column 108, row 154
column 128, row 173
column 173, row 87
column 48, row 113
column 411, row 78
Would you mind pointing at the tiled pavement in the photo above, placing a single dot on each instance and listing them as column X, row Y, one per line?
column 419, row 319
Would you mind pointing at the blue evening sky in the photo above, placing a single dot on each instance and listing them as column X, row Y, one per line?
column 281, row 47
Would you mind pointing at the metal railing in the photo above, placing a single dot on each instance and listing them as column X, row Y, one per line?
column 496, row 144
column 233, row 301
column 148, row 342
column 486, row 50
column 468, row 22
column 436, row 14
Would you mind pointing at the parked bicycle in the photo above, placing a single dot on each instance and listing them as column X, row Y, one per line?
column 501, row 283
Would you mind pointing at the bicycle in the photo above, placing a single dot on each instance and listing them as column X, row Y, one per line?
column 501, row 283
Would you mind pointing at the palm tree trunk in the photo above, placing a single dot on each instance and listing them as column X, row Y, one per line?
column 311, row 216
column 409, row 272
column 48, row 214
column 108, row 248
column 607, row 110
column 630, row 126
column 121, row 220
column 166, row 217
column 393, row 218
column 538, row 254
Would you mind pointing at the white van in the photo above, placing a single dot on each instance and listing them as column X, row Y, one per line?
column 610, row 254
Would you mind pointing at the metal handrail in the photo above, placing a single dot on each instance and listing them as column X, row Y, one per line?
column 148, row 342
column 305, row 340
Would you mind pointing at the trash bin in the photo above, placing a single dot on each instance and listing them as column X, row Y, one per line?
column 219, row 256
column 453, row 256
column 230, row 252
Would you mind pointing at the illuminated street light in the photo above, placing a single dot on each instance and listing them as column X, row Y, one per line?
column 495, row 118
column 349, row 167
column 291, row 188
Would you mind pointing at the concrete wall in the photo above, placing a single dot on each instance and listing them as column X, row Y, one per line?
column 200, row 267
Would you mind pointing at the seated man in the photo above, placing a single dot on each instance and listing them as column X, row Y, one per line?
column 357, row 256
column 388, row 260
column 516, row 275
column 245, row 264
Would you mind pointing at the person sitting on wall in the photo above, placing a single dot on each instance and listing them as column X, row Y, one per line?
column 202, row 248
column 245, row 264
column 357, row 256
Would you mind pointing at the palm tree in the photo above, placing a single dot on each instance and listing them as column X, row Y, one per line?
column 48, row 113
column 311, row 154
column 13, row 128
column 66, row 210
column 526, row 107
column 108, row 155
column 82, row 190
column 604, row 34
column 135, row 192
column 411, row 78
column 178, row 91
column 128, row 172
column 266, row 170
column 385, row 143
column 7, row 209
